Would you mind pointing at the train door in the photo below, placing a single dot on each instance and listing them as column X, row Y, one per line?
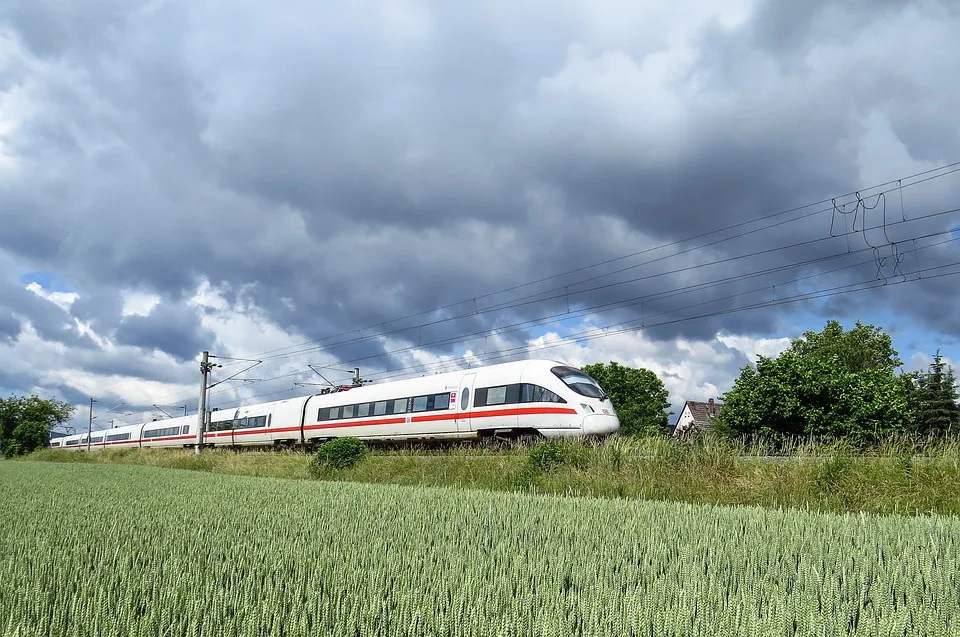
column 464, row 400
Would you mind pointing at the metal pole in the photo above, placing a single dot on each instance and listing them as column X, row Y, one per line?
column 202, row 409
column 90, row 424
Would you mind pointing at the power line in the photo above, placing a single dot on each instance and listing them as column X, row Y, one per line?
column 934, row 173
column 618, row 303
column 608, row 330
column 943, row 170
column 800, row 244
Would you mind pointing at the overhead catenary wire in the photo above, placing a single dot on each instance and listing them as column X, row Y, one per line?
column 716, row 262
column 621, row 303
column 607, row 331
column 563, row 316
column 928, row 175
column 918, row 178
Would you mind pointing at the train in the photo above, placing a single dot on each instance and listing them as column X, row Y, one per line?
column 529, row 399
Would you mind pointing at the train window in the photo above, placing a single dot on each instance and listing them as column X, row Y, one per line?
column 97, row 439
column 250, row 422
column 420, row 403
column 502, row 395
column 579, row 381
column 363, row 410
column 496, row 395
column 349, row 411
column 400, row 406
column 535, row 394
column 465, row 398
column 185, row 430
column 380, row 408
column 165, row 431
column 334, row 413
column 440, row 401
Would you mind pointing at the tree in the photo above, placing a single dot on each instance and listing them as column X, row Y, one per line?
column 638, row 395
column 936, row 400
column 25, row 422
column 863, row 347
column 832, row 383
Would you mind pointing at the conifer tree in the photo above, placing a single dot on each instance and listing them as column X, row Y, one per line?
column 938, row 412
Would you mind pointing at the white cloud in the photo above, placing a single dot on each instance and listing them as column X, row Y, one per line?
column 139, row 303
column 61, row 299
column 753, row 347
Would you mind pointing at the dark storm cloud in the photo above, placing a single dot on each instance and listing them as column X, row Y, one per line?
column 9, row 326
column 50, row 321
column 175, row 330
column 344, row 165
column 124, row 363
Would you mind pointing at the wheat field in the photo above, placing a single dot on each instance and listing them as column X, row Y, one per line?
column 132, row 550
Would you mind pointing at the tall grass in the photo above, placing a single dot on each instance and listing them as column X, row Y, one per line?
column 898, row 476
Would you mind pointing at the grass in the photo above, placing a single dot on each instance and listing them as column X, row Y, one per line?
column 896, row 477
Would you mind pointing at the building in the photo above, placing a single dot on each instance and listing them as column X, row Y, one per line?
column 696, row 417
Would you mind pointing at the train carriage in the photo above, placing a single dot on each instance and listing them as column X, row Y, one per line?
column 172, row 432
column 124, row 437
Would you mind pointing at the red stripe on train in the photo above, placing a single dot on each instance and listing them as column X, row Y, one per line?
column 518, row 411
column 382, row 421
column 493, row 413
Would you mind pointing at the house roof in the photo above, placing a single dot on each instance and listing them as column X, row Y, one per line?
column 701, row 412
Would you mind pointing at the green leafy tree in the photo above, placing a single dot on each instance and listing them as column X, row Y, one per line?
column 832, row 383
column 861, row 348
column 936, row 400
column 25, row 422
column 638, row 395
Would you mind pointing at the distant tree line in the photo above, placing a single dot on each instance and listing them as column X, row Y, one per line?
column 26, row 422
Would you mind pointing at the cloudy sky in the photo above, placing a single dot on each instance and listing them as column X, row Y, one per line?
column 409, row 187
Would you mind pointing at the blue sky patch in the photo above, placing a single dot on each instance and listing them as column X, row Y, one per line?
column 47, row 280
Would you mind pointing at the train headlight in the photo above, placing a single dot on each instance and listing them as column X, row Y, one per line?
column 586, row 407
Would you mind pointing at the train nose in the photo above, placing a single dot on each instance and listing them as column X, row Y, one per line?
column 600, row 424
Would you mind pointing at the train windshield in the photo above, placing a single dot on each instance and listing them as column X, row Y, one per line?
column 580, row 382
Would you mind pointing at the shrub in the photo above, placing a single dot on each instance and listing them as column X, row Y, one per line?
column 552, row 454
column 340, row 453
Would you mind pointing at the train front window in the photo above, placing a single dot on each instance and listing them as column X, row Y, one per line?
column 580, row 382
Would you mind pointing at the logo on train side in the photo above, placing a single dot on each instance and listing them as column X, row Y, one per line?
column 453, row 398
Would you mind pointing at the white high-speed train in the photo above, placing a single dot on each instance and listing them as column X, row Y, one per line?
column 526, row 398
